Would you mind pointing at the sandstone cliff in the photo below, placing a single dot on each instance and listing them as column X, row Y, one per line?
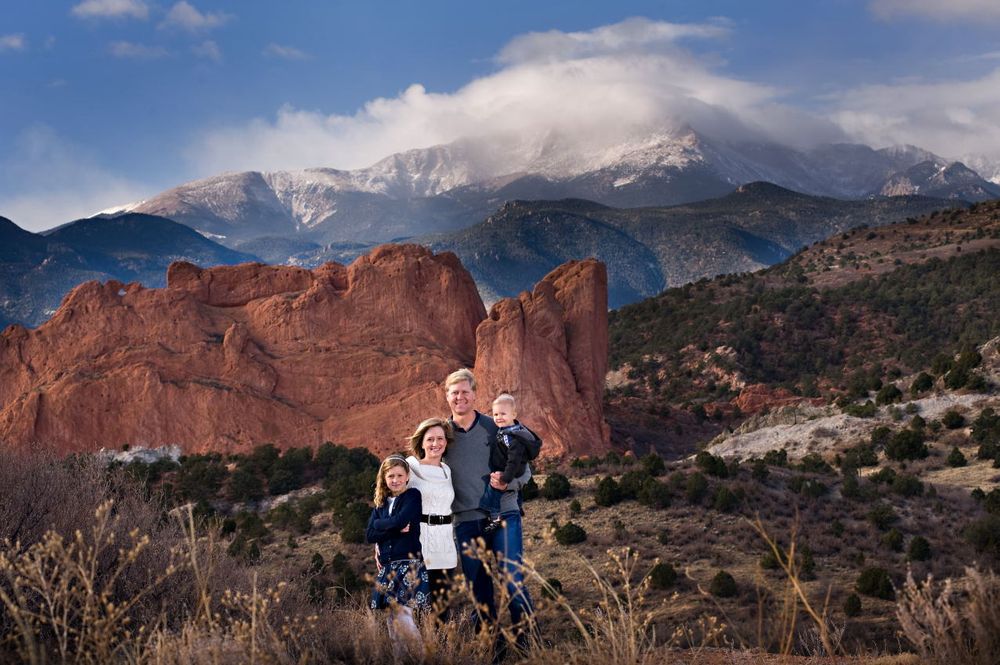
column 230, row 357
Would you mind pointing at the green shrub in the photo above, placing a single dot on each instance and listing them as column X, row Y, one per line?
column 710, row 464
column 632, row 483
column 758, row 470
column 695, row 488
column 906, row 485
column 723, row 585
column 851, row 487
column 575, row 508
column 808, row 487
column 353, row 519
column 907, row 444
column 245, row 485
column 860, row 455
column 530, row 490
column 570, row 534
column 875, row 582
column 984, row 535
column 662, row 576
column 956, row 458
column 952, row 419
column 725, row 500
column 865, row 410
column 882, row 516
column 655, row 494
column 653, row 464
column 608, row 492
column 552, row 588
column 885, row 475
column 881, row 435
column 852, row 605
column 556, row 486
column 814, row 463
column 893, row 539
column 957, row 378
column 922, row 383
column 776, row 457
column 919, row 550
column 888, row 394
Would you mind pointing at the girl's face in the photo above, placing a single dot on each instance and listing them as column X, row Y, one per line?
column 434, row 444
column 395, row 479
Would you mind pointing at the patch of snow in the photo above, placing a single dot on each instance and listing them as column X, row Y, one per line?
column 211, row 236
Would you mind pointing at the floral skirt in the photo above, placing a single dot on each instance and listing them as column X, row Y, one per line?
column 404, row 582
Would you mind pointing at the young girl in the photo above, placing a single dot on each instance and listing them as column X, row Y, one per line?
column 394, row 525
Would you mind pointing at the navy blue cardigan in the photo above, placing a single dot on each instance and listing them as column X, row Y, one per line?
column 384, row 528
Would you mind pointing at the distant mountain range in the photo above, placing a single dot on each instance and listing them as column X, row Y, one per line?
column 451, row 187
column 649, row 249
column 37, row 270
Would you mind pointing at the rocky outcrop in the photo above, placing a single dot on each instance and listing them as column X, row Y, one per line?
column 549, row 349
column 760, row 397
column 230, row 357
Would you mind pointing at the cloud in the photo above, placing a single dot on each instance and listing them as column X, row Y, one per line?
column 136, row 51
column 949, row 118
column 13, row 43
column 185, row 16
column 588, row 90
column 209, row 50
column 95, row 9
column 46, row 181
column 285, row 52
column 938, row 10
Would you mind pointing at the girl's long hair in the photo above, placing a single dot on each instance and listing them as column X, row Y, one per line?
column 381, row 488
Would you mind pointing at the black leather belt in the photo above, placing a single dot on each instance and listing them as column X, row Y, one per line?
column 436, row 519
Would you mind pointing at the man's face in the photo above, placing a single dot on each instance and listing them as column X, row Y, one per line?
column 461, row 398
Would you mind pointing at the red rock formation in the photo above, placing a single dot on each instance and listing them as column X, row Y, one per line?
column 231, row 357
column 759, row 397
column 549, row 349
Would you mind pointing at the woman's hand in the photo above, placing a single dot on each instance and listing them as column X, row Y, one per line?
column 405, row 529
column 496, row 483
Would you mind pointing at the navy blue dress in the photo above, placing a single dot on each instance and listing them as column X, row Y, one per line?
column 403, row 578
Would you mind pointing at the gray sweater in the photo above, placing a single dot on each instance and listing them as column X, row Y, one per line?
column 469, row 459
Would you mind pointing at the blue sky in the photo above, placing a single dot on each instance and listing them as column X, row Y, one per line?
column 108, row 101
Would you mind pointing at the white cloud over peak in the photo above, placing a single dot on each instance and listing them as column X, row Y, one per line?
column 111, row 9
column 285, row 52
column 950, row 118
column 593, row 89
column 136, row 51
column 13, row 42
column 938, row 10
column 185, row 16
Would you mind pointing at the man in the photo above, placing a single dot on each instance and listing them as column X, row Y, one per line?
column 468, row 458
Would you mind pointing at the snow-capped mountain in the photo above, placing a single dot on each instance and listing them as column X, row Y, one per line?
column 449, row 187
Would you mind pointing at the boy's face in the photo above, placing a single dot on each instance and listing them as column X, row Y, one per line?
column 503, row 414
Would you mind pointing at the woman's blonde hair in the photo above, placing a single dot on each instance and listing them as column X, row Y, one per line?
column 417, row 438
column 381, row 488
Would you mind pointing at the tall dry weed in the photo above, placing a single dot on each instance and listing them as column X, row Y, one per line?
column 954, row 623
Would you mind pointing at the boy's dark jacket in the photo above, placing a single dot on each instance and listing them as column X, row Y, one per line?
column 384, row 528
column 524, row 446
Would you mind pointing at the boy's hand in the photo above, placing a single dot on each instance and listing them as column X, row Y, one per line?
column 496, row 483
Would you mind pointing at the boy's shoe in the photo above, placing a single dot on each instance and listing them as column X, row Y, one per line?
column 492, row 526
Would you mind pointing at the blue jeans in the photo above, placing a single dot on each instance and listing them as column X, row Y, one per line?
column 508, row 543
column 490, row 500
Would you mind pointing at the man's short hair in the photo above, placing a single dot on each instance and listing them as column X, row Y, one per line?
column 464, row 374
column 506, row 398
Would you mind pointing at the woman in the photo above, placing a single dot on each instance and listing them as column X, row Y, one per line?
column 430, row 475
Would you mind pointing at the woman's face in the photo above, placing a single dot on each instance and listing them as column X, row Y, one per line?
column 434, row 444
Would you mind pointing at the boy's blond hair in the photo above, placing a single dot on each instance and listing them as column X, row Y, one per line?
column 506, row 398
